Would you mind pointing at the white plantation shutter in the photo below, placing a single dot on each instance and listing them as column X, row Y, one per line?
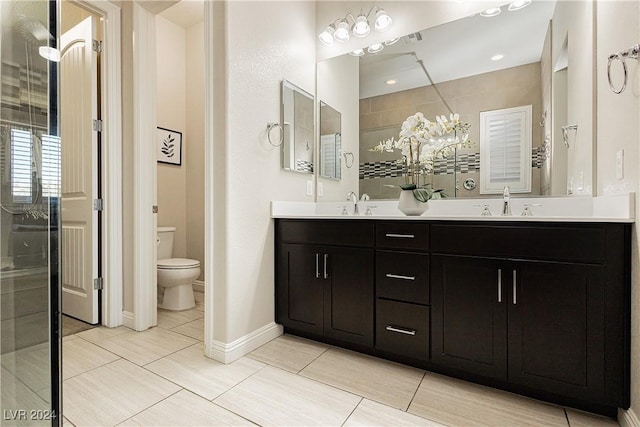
column 505, row 150
column 51, row 161
column 21, row 166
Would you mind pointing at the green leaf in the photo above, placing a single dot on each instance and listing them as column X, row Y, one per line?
column 408, row 186
column 422, row 194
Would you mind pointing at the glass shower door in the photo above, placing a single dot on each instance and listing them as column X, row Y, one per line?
column 29, row 195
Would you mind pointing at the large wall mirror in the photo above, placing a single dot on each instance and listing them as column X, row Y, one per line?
column 297, row 129
column 330, row 142
column 539, row 56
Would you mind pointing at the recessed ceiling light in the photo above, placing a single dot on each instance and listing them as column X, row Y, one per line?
column 518, row 4
column 497, row 57
column 357, row 52
column 494, row 11
column 391, row 82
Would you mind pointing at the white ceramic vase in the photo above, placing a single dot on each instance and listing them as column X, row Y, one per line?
column 408, row 205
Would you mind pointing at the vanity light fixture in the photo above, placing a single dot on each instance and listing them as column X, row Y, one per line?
column 392, row 41
column 518, row 4
column 375, row 48
column 494, row 11
column 340, row 29
column 357, row 52
column 49, row 53
column 497, row 57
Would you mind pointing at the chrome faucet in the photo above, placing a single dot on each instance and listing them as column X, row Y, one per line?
column 506, row 204
column 353, row 197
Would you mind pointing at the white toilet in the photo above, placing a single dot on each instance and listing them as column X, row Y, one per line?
column 175, row 275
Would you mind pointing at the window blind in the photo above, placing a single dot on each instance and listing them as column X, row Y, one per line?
column 21, row 166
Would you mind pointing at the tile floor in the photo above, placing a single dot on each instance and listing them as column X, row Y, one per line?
column 161, row 378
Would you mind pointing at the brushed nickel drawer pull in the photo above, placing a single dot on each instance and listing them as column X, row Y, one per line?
column 402, row 236
column 499, row 285
column 399, row 276
column 317, row 266
column 400, row 330
column 326, row 257
column 515, row 288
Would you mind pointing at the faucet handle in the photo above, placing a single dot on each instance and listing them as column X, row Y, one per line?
column 365, row 197
column 485, row 210
column 344, row 210
column 369, row 212
column 527, row 209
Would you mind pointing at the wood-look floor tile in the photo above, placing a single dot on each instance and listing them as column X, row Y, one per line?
column 273, row 397
column 289, row 353
column 79, row 356
column 584, row 419
column 186, row 409
column 191, row 369
column 370, row 413
column 386, row 382
column 193, row 329
column 112, row 393
column 97, row 335
column 30, row 365
column 459, row 403
column 145, row 347
column 169, row 319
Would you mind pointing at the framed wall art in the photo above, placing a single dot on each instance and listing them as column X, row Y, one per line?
column 169, row 146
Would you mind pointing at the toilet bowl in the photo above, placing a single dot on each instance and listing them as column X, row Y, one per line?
column 175, row 275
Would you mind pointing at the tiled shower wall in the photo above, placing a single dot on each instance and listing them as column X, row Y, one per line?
column 381, row 118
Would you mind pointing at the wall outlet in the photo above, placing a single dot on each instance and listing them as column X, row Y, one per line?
column 309, row 188
column 620, row 164
column 320, row 189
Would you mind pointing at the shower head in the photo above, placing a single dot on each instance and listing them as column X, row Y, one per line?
column 33, row 30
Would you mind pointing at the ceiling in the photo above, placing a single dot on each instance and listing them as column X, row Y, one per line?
column 186, row 13
column 459, row 49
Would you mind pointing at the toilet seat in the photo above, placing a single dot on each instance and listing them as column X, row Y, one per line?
column 177, row 264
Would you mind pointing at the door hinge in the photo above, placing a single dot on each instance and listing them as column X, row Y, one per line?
column 97, row 125
column 98, row 283
column 97, row 46
column 98, row 204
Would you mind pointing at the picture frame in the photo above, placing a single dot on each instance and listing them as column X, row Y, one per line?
column 169, row 143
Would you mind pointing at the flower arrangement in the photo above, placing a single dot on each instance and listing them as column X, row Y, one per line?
column 421, row 141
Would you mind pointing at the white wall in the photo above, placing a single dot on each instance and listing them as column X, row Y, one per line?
column 573, row 23
column 195, row 148
column 618, row 28
column 263, row 46
column 338, row 85
column 171, row 114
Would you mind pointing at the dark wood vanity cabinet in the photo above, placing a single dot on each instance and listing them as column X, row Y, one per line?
column 326, row 289
column 538, row 308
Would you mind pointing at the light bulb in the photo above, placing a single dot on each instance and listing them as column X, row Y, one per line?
column 357, row 52
column 392, row 41
column 518, row 4
column 342, row 31
column 494, row 11
column 361, row 27
column 383, row 21
column 375, row 48
column 326, row 36
column 49, row 53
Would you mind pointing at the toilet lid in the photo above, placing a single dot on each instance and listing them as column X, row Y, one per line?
column 177, row 263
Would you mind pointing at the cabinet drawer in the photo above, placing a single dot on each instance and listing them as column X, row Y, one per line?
column 402, row 276
column 402, row 329
column 326, row 232
column 402, row 235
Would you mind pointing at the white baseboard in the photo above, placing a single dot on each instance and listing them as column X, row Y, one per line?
column 227, row 353
column 198, row 286
column 129, row 319
column 628, row 418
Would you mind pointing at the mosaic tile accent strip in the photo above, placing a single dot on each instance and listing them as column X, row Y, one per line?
column 304, row 166
column 466, row 163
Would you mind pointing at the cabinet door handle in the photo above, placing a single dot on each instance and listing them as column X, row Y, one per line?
column 400, row 330
column 326, row 257
column 317, row 266
column 401, row 236
column 399, row 276
column 515, row 287
column 499, row 285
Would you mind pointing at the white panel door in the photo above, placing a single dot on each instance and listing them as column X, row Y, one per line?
column 78, row 109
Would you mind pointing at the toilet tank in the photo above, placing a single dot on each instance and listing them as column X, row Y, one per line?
column 165, row 242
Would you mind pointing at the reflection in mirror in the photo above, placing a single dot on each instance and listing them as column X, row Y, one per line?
column 298, row 129
column 330, row 142
column 482, row 64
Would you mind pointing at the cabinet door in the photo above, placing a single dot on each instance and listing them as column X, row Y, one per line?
column 557, row 328
column 348, row 303
column 469, row 324
column 299, row 292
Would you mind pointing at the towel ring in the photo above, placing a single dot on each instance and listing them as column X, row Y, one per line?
column 348, row 156
column 270, row 127
column 620, row 56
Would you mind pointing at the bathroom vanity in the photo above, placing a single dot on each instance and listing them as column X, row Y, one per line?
column 540, row 308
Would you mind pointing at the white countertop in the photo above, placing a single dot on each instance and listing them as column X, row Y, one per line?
column 617, row 208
